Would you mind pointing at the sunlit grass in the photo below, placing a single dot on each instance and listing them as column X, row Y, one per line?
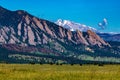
column 59, row 72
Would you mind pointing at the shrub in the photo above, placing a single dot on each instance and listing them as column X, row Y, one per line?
column 100, row 64
column 72, row 64
column 32, row 63
column 80, row 64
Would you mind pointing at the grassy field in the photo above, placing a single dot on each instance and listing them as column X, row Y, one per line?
column 58, row 72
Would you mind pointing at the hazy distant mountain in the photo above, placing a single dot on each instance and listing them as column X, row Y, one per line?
column 24, row 36
column 74, row 26
column 110, row 36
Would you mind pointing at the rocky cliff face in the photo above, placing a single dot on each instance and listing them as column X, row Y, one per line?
column 23, row 35
column 94, row 39
column 21, row 28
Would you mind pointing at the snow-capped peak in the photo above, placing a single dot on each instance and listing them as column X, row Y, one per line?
column 74, row 26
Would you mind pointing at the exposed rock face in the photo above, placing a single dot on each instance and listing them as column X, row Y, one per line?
column 19, row 27
column 94, row 39
column 81, row 38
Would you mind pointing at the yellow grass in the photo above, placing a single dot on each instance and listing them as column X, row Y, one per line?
column 57, row 72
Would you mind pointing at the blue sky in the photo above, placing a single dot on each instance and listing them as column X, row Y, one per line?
column 88, row 12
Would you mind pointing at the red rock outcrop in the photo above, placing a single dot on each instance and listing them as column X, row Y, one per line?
column 19, row 27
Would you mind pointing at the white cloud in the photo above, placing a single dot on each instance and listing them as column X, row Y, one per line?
column 103, row 24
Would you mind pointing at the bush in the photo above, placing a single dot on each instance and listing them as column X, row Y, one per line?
column 32, row 63
column 72, row 64
column 100, row 64
column 61, row 64
column 41, row 63
column 51, row 63
column 80, row 64
column 57, row 63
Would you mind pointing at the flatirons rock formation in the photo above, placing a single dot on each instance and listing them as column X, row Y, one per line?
column 24, row 37
column 19, row 27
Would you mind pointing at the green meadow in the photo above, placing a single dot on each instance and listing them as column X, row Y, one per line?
column 58, row 72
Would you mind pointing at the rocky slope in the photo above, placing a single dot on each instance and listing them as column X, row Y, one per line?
column 19, row 27
column 22, row 35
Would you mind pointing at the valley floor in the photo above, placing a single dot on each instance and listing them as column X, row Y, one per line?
column 58, row 72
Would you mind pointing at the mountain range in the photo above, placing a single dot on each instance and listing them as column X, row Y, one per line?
column 73, row 26
column 110, row 36
column 25, row 38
